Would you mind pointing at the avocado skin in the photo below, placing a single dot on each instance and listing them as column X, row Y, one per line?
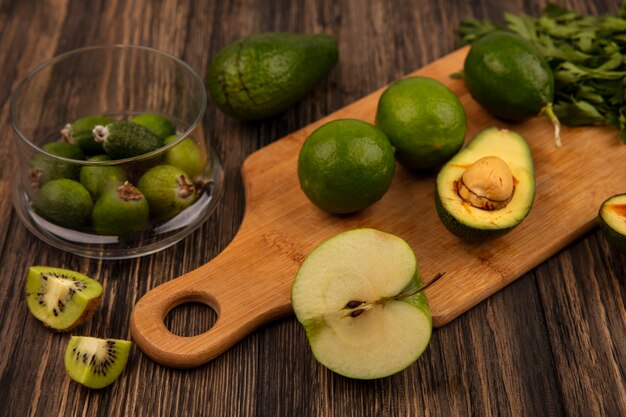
column 471, row 234
column 264, row 74
column 475, row 233
column 615, row 239
column 507, row 76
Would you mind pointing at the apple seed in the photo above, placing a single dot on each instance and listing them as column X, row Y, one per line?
column 356, row 308
column 354, row 304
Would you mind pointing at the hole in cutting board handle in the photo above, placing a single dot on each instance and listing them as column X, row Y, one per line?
column 190, row 318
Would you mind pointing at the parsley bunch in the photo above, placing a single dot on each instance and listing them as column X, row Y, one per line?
column 587, row 55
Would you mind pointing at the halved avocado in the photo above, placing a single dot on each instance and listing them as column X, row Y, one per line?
column 487, row 188
column 612, row 219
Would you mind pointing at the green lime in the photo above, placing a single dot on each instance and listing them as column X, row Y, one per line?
column 424, row 121
column 345, row 166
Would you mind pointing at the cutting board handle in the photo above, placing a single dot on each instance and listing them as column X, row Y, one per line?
column 225, row 284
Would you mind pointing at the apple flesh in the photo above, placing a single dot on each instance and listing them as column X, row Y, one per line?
column 355, row 295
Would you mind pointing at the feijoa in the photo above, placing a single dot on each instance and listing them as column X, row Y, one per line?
column 45, row 168
column 186, row 155
column 97, row 179
column 121, row 211
column 80, row 133
column 124, row 139
column 158, row 124
column 168, row 190
column 64, row 202
column 508, row 76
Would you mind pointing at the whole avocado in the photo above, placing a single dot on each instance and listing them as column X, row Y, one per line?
column 508, row 76
column 266, row 73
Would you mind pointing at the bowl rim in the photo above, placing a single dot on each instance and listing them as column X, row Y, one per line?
column 109, row 251
column 58, row 58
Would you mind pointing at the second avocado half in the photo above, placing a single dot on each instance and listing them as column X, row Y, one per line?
column 487, row 188
column 266, row 73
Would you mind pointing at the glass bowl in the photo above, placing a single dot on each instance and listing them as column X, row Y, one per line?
column 117, row 82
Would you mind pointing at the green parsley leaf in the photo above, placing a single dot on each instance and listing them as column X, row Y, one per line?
column 587, row 55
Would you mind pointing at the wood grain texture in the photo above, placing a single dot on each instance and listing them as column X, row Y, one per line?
column 550, row 344
column 280, row 226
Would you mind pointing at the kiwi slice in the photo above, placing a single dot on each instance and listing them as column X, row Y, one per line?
column 94, row 362
column 60, row 298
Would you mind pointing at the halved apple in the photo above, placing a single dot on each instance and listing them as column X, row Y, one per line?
column 356, row 296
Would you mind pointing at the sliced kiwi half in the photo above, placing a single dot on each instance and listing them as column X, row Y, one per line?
column 61, row 299
column 94, row 362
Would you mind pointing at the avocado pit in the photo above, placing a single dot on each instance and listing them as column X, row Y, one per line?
column 487, row 184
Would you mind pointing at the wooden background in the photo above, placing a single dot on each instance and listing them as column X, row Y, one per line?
column 553, row 343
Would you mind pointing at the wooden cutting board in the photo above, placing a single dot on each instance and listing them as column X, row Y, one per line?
column 249, row 283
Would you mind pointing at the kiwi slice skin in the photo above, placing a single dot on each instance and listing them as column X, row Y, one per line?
column 96, row 363
column 60, row 298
